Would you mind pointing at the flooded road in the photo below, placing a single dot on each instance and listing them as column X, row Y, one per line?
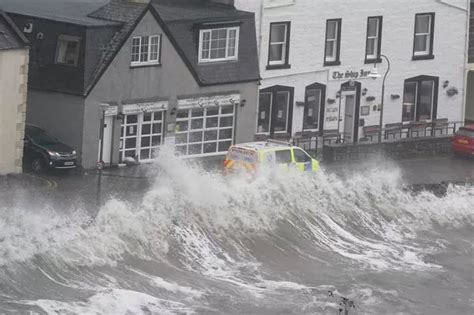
column 196, row 242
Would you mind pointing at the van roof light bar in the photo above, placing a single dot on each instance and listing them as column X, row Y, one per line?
column 279, row 142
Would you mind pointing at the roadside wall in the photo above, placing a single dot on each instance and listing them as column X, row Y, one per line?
column 399, row 150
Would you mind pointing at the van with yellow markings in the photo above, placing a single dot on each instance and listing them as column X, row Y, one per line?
column 250, row 156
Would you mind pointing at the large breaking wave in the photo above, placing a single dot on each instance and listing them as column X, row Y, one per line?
column 200, row 242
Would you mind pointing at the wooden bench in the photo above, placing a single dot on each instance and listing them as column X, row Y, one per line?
column 441, row 124
column 330, row 135
column 417, row 128
column 393, row 130
column 260, row 137
column 371, row 131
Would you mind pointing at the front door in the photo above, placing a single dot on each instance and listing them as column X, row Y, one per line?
column 349, row 115
column 107, row 147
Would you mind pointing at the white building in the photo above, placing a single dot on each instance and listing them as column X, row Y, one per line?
column 316, row 55
column 13, row 86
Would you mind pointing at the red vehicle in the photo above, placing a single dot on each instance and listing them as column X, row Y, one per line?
column 463, row 141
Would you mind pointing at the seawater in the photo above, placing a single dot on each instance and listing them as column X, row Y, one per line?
column 281, row 243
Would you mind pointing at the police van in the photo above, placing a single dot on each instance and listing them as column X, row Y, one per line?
column 249, row 156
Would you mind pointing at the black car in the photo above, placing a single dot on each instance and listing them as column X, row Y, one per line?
column 42, row 151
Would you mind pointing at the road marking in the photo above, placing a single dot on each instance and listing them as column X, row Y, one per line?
column 51, row 184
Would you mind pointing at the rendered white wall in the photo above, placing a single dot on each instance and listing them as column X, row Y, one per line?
column 308, row 29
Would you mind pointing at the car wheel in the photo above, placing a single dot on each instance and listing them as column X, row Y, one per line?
column 37, row 165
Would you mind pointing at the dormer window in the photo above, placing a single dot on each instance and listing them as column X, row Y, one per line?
column 218, row 44
column 67, row 50
column 146, row 50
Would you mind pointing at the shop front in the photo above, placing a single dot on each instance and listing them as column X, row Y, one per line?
column 141, row 132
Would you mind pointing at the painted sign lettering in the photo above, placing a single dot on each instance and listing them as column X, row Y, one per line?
column 349, row 74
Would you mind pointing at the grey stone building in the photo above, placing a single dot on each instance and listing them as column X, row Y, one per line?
column 140, row 73
column 13, row 87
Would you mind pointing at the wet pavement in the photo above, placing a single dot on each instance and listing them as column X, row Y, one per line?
column 91, row 188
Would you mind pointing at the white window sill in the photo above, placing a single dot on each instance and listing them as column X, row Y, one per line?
column 217, row 60
column 144, row 64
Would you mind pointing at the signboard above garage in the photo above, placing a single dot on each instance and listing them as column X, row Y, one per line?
column 144, row 107
column 207, row 101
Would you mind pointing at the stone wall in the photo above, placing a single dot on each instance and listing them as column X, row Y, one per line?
column 396, row 150
column 13, row 94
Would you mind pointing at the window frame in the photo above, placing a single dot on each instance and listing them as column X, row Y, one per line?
column 68, row 38
column 337, row 40
column 226, row 58
column 322, row 106
column 434, row 99
column 374, row 58
column 274, row 91
column 284, row 63
column 429, row 53
column 270, row 110
column 149, row 61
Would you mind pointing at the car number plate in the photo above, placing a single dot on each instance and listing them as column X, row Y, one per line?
column 463, row 141
column 69, row 163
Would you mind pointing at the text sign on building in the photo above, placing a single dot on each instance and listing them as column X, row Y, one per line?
column 336, row 75
column 111, row 111
column 144, row 107
column 206, row 101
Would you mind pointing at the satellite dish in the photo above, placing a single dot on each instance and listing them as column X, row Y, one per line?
column 28, row 28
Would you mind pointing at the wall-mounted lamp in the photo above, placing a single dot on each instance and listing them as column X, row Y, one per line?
column 173, row 111
column 364, row 92
column 331, row 101
column 452, row 91
column 243, row 103
column 370, row 98
column 445, row 84
column 395, row 96
column 338, row 94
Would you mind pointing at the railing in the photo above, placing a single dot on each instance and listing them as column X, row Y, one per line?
column 419, row 129
column 310, row 141
column 398, row 131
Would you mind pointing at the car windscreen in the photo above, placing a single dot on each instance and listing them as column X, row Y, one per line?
column 465, row 132
column 40, row 136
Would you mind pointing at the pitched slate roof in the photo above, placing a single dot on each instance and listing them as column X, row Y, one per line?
column 10, row 35
column 68, row 11
column 128, row 14
column 182, row 19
